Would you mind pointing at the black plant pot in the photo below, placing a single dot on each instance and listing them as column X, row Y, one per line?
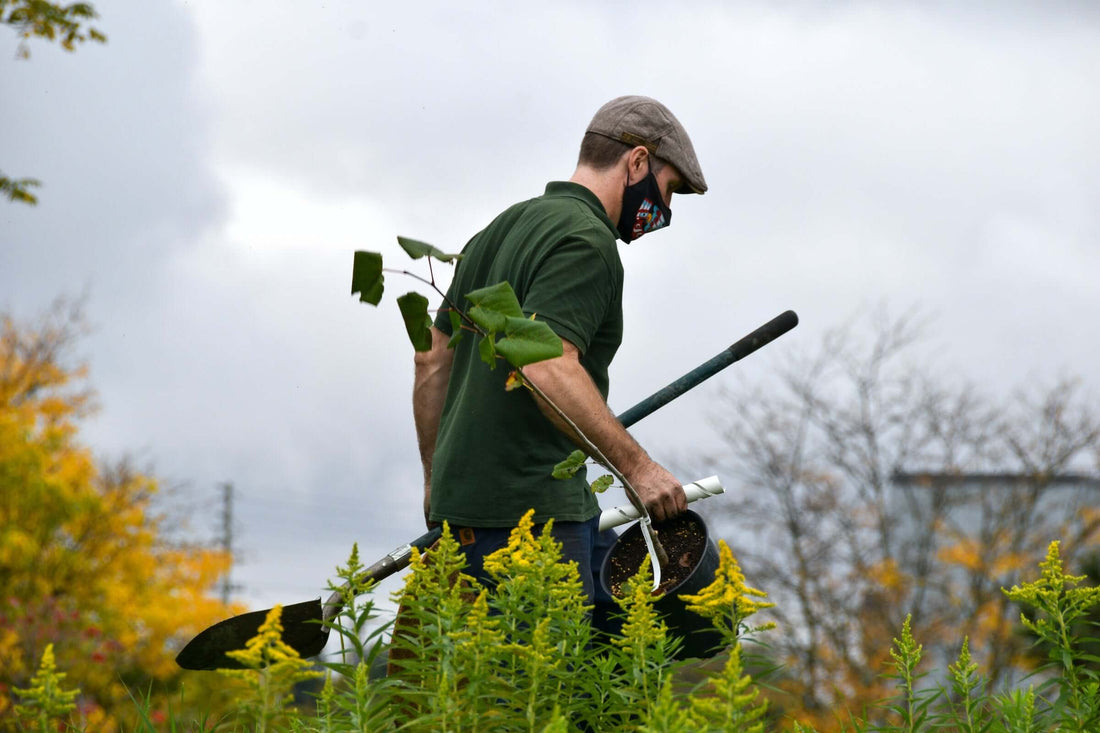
column 700, row 638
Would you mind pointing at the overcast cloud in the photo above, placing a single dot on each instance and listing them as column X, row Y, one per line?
column 209, row 172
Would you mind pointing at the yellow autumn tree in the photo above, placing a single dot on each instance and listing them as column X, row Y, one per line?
column 83, row 565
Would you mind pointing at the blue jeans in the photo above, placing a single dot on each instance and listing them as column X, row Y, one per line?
column 582, row 542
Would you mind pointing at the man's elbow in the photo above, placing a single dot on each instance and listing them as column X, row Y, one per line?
column 554, row 368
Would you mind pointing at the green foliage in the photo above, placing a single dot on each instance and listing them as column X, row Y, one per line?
column 728, row 601
column 50, row 21
column 18, row 190
column 416, row 250
column 495, row 312
column 568, row 468
column 527, row 341
column 414, row 311
column 1060, row 602
column 967, row 688
column 456, row 328
column 520, row 656
column 573, row 463
column 602, row 483
column 493, row 306
column 733, row 703
column 912, row 704
column 366, row 277
column 272, row 668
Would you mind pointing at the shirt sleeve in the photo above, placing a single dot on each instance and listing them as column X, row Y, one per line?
column 571, row 290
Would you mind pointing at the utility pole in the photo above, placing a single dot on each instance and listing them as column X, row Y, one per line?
column 227, row 539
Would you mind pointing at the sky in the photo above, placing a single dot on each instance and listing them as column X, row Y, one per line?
column 209, row 172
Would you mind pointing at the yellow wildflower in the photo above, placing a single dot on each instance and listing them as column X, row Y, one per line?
column 643, row 625
column 46, row 700
column 1056, row 595
column 279, row 665
column 728, row 601
column 532, row 567
column 521, row 542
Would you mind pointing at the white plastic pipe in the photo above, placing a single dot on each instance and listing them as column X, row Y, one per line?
column 696, row 490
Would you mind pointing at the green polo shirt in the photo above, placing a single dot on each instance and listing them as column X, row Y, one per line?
column 496, row 450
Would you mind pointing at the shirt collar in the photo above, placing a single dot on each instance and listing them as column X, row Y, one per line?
column 568, row 189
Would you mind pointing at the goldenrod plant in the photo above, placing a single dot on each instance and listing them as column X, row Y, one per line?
column 729, row 602
column 1060, row 601
column 520, row 656
column 46, row 701
column 271, row 670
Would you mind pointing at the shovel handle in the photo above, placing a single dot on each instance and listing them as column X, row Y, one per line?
column 387, row 566
column 762, row 336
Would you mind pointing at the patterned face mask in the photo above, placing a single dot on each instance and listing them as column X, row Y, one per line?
column 643, row 209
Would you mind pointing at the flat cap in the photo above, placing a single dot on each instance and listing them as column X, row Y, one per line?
column 636, row 120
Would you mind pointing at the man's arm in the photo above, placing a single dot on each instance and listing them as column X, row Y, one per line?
column 570, row 387
column 433, row 372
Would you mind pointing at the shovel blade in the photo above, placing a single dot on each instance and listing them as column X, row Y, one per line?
column 302, row 631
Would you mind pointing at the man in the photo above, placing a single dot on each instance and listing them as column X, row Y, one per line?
column 488, row 453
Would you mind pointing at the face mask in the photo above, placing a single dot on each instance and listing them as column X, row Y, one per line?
column 643, row 209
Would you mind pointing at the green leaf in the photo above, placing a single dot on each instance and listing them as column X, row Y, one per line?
column 366, row 277
column 414, row 311
column 488, row 351
column 569, row 467
column 493, row 305
column 456, row 329
column 526, row 342
column 602, row 484
column 416, row 250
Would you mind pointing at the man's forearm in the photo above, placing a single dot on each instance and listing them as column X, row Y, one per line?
column 571, row 389
column 568, row 385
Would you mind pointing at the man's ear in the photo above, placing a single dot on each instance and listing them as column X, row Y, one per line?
column 637, row 163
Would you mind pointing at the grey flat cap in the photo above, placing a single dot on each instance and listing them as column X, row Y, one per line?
column 644, row 121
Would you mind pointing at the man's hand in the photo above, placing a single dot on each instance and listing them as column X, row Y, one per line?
column 661, row 492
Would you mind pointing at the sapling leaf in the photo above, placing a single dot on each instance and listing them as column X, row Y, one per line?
column 456, row 329
column 569, row 467
column 366, row 277
column 603, row 483
column 417, row 249
column 526, row 342
column 488, row 352
column 514, row 381
column 414, row 311
column 493, row 305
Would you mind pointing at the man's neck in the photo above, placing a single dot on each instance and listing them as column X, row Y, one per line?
column 607, row 188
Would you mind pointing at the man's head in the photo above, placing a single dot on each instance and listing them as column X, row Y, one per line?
column 628, row 122
column 635, row 154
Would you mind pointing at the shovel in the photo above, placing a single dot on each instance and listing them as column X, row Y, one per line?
column 304, row 624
